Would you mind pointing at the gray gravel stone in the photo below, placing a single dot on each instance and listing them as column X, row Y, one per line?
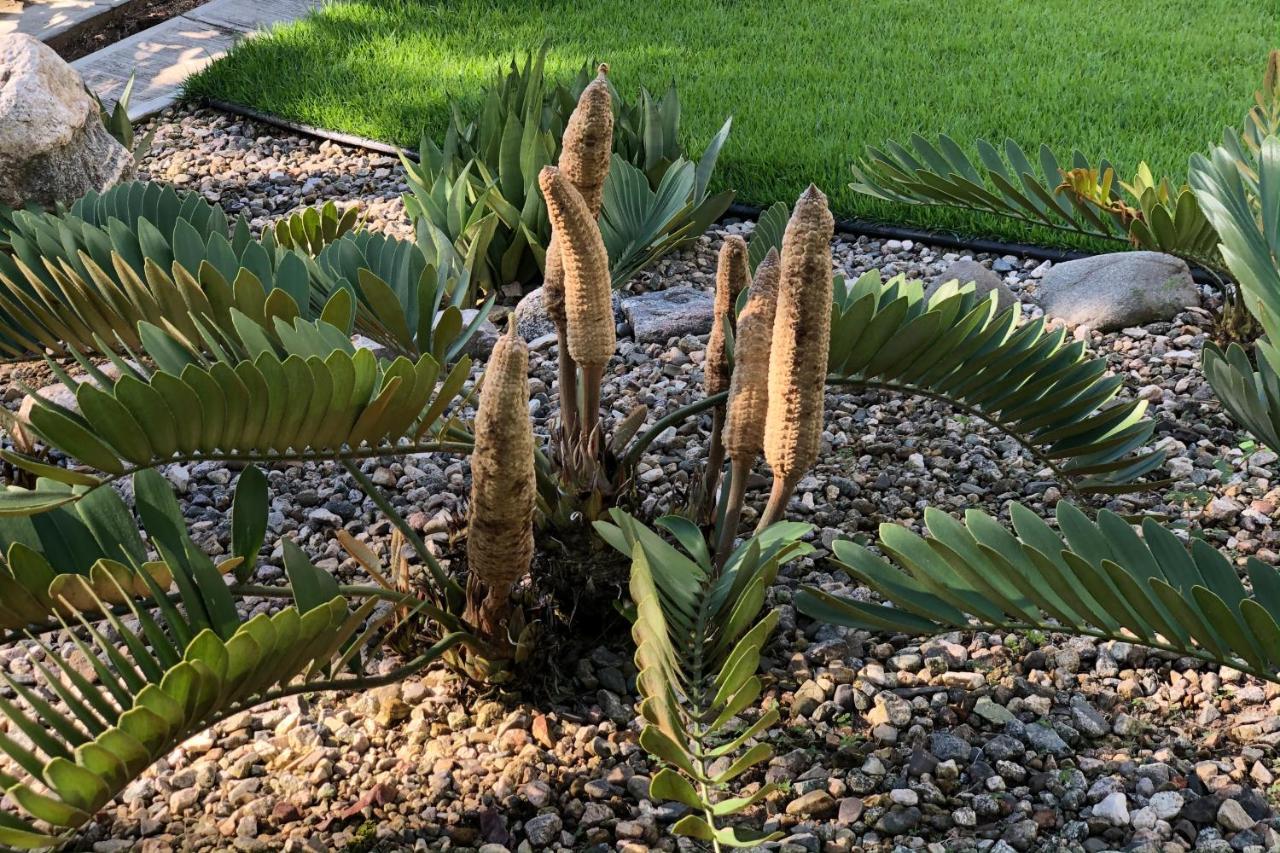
column 658, row 317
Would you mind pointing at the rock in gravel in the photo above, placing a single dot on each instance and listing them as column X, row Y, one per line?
column 1043, row 738
column 946, row 746
column 1114, row 809
column 1233, row 818
column 1087, row 719
column 899, row 820
column 968, row 270
column 1166, row 804
column 851, row 809
column 53, row 147
column 543, row 829
column 483, row 339
column 812, row 804
column 992, row 712
column 1118, row 290
column 657, row 317
column 532, row 321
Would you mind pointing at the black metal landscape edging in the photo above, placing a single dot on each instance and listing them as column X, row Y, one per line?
column 849, row 227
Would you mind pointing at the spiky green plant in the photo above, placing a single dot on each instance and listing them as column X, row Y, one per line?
column 699, row 637
column 478, row 187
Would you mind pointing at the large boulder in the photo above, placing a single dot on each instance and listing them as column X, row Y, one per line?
column 968, row 270
column 1117, row 290
column 53, row 147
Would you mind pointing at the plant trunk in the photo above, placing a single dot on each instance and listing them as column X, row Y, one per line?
column 715, row 463
column 739, row 471
column 568, row 385
column 592, row 375
column 778, row 497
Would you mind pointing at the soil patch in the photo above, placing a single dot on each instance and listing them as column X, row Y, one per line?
column 120, row 23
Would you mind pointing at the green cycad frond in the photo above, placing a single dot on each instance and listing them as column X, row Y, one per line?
column 315, row 402
column 87, row 552
column 1095, row 578
column 1251, row 396
column 84, row 280
column 150, row 700
column 1029, row 383
column 1164, row 219
column 698, row 638
column 1239, row 189
column 162, row 671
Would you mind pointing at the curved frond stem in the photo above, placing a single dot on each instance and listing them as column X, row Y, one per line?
column 1098, row 634
column 361, row 453
column 642, row 441
column 875, row 385
column 677, row 416
column 400, row 673
column 446, row 585
column 365, row 591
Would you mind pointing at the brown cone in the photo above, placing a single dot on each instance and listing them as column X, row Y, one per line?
column 801, row 340
column 503, row 489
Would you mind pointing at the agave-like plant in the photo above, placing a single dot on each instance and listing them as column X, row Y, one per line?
column 479, row 187
column 116, row 121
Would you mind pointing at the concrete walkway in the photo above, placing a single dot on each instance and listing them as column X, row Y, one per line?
column 165, row 55
column 46, row 19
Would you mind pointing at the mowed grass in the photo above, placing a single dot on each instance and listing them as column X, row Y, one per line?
column 809, row 83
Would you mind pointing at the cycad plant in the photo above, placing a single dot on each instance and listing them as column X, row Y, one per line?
column 478, row 188
column 198, row 341
column 1078, row 196
column 1099, row 577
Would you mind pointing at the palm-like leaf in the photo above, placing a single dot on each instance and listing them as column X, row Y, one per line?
column 87, row 551
column 1251, row 397
column 1240, row 193
column 698, row 638
column 324, row 399
column 1096, row 578
column 1031, row 384
column 74, row 742
column 1008, row 184
column 84, row 280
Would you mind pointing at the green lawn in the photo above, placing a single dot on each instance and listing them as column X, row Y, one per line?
column 808, row 82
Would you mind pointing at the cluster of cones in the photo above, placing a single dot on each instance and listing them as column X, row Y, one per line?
column 773, row 393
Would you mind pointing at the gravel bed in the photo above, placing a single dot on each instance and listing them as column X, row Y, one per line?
column 991, row 742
